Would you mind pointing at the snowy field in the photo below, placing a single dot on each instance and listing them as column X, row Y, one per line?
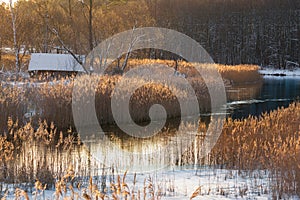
column 182, row 184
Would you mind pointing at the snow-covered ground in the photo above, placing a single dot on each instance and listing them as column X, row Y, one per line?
column 181, row 184
column 23, row 84
column 254, row 101
column 279, row 72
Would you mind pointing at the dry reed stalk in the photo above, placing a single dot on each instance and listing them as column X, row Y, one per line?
column 196, row 193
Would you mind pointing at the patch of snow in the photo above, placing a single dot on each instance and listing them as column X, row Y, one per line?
column 279, row 72
column 252, row 101
column 270, row 77
column 29, row 114
column 24, row 84
column 178, row 74
column 180, row 184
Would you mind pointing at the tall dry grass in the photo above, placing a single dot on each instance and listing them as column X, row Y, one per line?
column 27, row 155
column 53, row 100
column 13, row 103
column 32, row 161
column 189, row 67
column 236, row 74
column 8, row 62
column 270, row 142
column 28, row 152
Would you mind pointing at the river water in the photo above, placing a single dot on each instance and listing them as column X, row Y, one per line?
column 256, row 99
column 123, row 151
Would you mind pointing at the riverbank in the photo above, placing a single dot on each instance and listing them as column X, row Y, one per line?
column 255, row 157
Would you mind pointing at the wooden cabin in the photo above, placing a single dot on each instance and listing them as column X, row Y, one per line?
column 47, row 64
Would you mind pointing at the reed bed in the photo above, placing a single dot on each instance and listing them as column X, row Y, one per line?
column 30, row 145
column 52, row 100
column 29, row 157
column 13, row 103
column 240, row 74
column 236, row 74
column 32, row 161
column 270, row 142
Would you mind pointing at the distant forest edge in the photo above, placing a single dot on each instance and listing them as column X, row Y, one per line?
column 262, row 32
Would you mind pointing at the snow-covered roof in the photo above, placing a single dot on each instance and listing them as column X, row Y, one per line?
column 54, row 62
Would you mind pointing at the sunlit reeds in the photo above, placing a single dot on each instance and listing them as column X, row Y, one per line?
column 32, row 149
column 13, row 103
column 237, row 74
column 52, row 100
column 270, row 142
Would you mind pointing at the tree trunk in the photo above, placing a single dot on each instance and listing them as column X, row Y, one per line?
column 46, row 34
column 16, row 48
column 91, row 25
column 0, row 51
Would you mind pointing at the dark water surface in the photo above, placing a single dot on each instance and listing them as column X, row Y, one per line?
column 273, row 93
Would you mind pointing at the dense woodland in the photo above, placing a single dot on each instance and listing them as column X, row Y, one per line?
column 263, row 32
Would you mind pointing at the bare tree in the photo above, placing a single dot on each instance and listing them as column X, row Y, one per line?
column 90, row 22
column 134, row 40
column 42, row 9
column 91, row 25
column 1, row 35
column 16, row 48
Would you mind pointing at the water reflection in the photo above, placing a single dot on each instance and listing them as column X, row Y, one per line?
column 244, row 91
column 162, row 150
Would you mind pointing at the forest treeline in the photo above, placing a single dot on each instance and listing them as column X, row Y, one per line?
column 263, row 32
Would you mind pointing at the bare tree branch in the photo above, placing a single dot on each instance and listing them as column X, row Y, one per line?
column 134, row 40
column 54, row 31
